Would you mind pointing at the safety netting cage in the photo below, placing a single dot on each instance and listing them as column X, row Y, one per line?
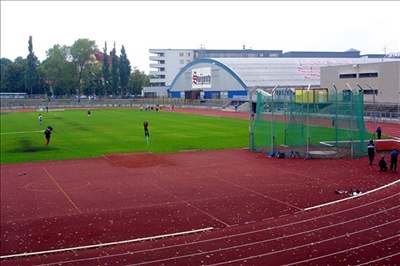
column 309, row 123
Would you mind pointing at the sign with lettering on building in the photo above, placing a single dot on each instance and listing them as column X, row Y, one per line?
column 201, row 78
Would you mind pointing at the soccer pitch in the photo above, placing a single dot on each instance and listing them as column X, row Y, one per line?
column 76, row 135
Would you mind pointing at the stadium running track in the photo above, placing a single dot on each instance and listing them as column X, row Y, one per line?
column 230, row 207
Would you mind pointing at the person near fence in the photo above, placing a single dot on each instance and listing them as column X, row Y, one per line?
column 394, row 154
column 371, row 151
column 378, row 132
column 382, row 165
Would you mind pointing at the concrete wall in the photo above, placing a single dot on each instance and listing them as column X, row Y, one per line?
column 387, row 83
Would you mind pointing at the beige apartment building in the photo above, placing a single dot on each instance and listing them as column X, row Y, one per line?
column 381, row 79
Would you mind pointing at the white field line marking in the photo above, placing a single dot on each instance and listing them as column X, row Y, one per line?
column 230, row 236
column 383, row 258
column 277, row 238
column 20, row 132
column 347, row 250
column 105, row 244
column 352, row 197
column 313, row 244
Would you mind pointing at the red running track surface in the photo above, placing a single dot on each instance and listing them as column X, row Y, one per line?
column 63, row 204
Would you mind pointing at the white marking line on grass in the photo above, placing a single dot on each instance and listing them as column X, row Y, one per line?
column 105, row 244
column 20, row 132
column 352, row 197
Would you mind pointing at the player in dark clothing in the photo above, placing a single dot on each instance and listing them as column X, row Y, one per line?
column 146, row 129
column 371, row 151
column 379, row 132
column 47, row 134
column 89, row 113
column 394, row 154
column 382, row 164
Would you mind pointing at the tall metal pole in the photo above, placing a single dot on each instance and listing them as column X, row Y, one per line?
column 336, row 115
column 351, row 122
column 373, row 103
column 307, row 120
column 251, row 120
column 272, row 118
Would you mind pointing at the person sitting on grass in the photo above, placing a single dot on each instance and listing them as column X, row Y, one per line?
column 382, row 165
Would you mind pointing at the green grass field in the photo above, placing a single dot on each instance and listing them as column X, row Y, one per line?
column 76, row 135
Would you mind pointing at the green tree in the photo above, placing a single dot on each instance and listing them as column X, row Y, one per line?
column 31, row 74
column 58, row 71
column 82, row 52
column 138, row 80
column 106, row 70
column 92, row 80
column 5, row 82
column 124, row 71
column 13, row 75
column 114, row 72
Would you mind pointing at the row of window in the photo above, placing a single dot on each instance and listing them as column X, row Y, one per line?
column 182, row 61
column 182, row 54
column 360, row 75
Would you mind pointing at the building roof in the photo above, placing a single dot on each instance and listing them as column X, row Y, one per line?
column 269, row 72
column 308, row 54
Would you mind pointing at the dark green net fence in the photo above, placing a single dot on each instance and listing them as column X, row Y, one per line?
column 310, row 123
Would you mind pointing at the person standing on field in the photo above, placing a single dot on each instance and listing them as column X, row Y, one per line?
column 371, row 151
column 47, row 134
column 394, row 154
column 378, row 133
column 40, row 119
column 146, row 130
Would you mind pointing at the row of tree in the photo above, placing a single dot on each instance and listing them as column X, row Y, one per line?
column 73, row 70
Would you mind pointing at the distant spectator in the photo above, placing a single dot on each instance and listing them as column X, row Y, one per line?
column 378, row 132
column 382, row 165
column 394, row 154
column 371, row 151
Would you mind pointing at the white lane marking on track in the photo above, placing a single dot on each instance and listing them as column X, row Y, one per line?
column 313, row 243
column 105, row 244
column 382, row 258
column 277, row 238
column 234, row 235
column 353, row 197
column 20, row 132
column 346, row 250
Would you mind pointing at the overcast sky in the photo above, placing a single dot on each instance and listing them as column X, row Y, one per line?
column 139, row 26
